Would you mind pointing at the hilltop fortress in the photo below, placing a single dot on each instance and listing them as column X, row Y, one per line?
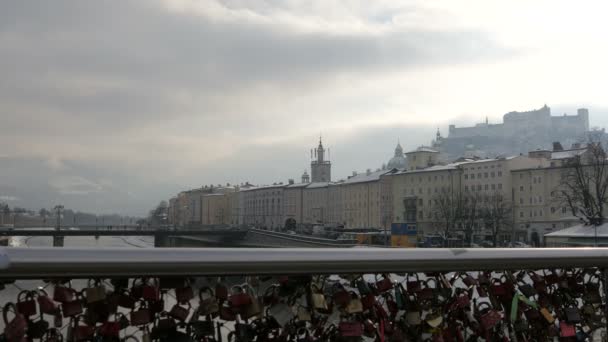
column 520, row 132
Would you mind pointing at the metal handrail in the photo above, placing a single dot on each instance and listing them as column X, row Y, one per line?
column 22, row 263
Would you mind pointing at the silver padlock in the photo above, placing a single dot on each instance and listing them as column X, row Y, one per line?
column 282, row 313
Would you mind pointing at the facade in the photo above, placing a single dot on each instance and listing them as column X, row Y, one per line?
column 421, row 158
column 320, row 169
column 315, row 203
column 520, row 132
column 415, row 191
column 263, row 206
column 537, row 210
column 362, row 200
column 293, row 203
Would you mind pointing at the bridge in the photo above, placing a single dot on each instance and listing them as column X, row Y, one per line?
column 163, row 237
column 336, row 294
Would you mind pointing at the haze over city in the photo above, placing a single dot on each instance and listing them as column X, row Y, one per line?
column 111, row 107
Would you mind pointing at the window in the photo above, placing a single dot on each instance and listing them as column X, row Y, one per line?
column 521, row 188
column 466, row 176
column 486, row 187
column 521, row 214
column 521, row 200
column 420, row 201
column 478, row 187
column 485, row 175
column 521, row 175
column 564, row 210
column 499, row 173
column 493, row 186
column 500, row 186
column 472, row 176
column 479, row 175
column 466, row 188
column 552, row 210
column 492, row 174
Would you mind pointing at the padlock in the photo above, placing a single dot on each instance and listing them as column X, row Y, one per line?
column 145, row 334
column 567, row 330
column 46, row 304
column 226, row 313
column 82, row 331
column 413, row 286
column 363, row 287
column 488, row 317
column 125, row 299
column 72, row 308
column 95, row 292
column 36, row 329
column 573, row 316
column 208, row 304
column 413, row 318
column 385, row 284
column 434, row 319
column 63, row 294
column 221, row 292
column 141, row 315
column 202, row 328
column 354, row 305
column 109, row 329
column 184, row 294
column 318, row 298
column 350, row 329
column 52, row 335
column 157, row 306
column 281, row 313
column 468, row 280
column 26, row 304
column 179, row 312
column 547, row 315
column 254, row 308
column 239, row 298
column 426, row 292
column 150, row 290
column 340, row 296
column 244, row 332
column 303, row 314
column 162, row 326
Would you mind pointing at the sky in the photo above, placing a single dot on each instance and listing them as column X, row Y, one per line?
column 112, row 106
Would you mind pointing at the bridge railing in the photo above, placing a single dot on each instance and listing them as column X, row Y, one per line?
column 312, row 294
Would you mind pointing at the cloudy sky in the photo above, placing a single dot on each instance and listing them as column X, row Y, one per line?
column 111, row 106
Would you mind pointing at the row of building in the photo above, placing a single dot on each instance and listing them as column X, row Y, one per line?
column 397, row 194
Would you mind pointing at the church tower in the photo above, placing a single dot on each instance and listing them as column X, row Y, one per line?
column 320, row 168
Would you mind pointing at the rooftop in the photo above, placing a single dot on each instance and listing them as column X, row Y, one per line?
column 581, row 230
column 364, row 177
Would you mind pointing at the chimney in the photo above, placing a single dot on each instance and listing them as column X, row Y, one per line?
column 557, row 146
column 368, row 172
column 576, row 145
column 290, row 181
column 354, row 173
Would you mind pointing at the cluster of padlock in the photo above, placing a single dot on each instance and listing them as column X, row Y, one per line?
column 568, row 305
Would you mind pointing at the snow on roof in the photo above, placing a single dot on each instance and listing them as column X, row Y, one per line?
column 317, row 185
column 581, row 230
column 567, row 154
column 297, row 185
column 424, row 149
column 364, row 177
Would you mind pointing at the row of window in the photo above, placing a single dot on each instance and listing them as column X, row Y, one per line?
column 485, row 167
column 483, row 175
column 486, row 187
column 533, row 200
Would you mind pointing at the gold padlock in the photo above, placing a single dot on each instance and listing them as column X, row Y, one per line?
column 354, row 306
column 434, row 320
column 95, row 293
column 548, row 316
column 304, row 314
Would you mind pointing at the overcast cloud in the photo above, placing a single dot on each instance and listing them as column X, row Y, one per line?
column 113, row 106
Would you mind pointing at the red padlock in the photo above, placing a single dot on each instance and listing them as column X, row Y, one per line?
column 385, row 284
column 350, row 329
column 82, row 332
column 26, row 304
column 63, row 294
column 151, row 292
column 47, row 305
column 239, row 297
column 15, row 329
column 184, row 294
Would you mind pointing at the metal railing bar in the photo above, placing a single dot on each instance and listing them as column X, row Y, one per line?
column 22, row 263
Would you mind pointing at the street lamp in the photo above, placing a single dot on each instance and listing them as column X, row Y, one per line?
column 58, row 209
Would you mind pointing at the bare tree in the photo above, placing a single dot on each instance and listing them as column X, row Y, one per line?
column 496, row 213
column 468, row 215
column 446, row 208
column 584, row 186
